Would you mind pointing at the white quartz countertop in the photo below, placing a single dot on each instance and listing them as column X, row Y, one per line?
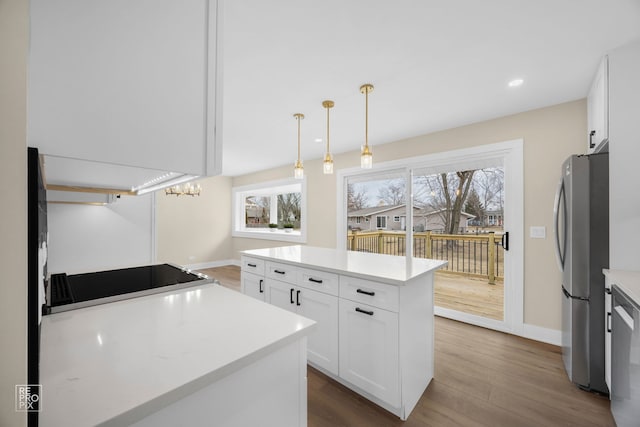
column 628, row 281
column 392, row 269
column 115, row 363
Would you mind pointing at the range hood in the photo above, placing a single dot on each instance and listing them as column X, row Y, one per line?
column 70, row 180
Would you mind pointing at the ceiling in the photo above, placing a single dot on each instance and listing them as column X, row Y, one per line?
column 435, row 65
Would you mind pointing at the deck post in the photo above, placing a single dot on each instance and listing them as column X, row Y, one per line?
column 492, row 258
column 427, row 244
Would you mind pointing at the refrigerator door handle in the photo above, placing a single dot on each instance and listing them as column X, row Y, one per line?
column 556, row 226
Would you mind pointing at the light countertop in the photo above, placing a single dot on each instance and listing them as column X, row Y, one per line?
column 117, row 362
column 391, row 269
column 628, row 281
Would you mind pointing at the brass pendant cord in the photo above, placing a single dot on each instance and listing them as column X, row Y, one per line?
column 328, row 128
column 298, row 118
column 366, row 117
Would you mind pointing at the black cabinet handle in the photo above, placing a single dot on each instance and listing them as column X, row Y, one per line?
column 260, row 286
column 297, row 297
column 359, row 310
column 251, row 265
column 311, row 279
column 291, row 296
column 370, row 293
column 608, row 322
column 279, row 271
column 591, row 135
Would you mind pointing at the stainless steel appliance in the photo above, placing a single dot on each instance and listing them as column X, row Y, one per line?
column 625, row 366
column 581, row 223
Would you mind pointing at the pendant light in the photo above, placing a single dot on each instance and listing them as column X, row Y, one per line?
column 327, row 166
column 366, row 157
column 298, row 171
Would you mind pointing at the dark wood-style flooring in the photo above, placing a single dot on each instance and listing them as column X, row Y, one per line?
column 482, row 378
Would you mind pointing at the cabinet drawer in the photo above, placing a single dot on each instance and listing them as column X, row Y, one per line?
column 320, row 281
column 283, row 272
column 373, row 293
column 252, row 265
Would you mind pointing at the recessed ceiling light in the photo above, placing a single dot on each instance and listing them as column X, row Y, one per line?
column 318, row 140
column 516, row 82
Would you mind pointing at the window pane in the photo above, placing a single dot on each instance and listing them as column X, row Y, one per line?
column 289, row 209
column 257, row 211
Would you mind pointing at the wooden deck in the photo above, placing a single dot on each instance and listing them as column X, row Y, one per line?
column 473, row 296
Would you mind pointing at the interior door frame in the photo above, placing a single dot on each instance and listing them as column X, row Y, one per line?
column 512, row 152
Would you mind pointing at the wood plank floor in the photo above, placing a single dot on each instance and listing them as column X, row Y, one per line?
column 482, row 378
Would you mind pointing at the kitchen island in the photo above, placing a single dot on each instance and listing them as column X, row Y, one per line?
column 204, row 355
column 374, row 315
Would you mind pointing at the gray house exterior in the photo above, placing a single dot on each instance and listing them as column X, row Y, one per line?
column 394, row 218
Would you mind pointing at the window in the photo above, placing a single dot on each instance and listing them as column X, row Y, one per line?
column 358, row 220
column 396, row 219
column 273, row 211
column 381, row 221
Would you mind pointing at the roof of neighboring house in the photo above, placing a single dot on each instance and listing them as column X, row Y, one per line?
column 380, row 209
column 374, row 210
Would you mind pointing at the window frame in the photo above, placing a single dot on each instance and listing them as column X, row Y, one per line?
column 385, row 222
column 270, row 188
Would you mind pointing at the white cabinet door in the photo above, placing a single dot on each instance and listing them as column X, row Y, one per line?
column 322, row 344
column 598, row 109
column 253, row 285
column 126, row 82
column 280, row 294
column 369, row 350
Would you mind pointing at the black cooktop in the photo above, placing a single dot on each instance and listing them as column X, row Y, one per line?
column 67, row 292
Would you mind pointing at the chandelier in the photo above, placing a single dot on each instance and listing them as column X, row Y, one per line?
column 187, row 189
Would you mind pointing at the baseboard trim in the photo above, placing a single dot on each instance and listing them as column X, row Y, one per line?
column 213, row 264
column 538, row 333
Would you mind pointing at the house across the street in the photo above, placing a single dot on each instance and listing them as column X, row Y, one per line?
column 394, row 217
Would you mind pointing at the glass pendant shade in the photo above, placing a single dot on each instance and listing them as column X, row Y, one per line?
column 327, row 165
column 366, row 158
column 298, row 170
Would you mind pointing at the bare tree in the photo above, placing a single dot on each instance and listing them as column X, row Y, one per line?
column 356, row 199
column 445, row 193
column 289, row 207
column 393, row 193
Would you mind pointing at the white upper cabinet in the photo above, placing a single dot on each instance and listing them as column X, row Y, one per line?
column 598, row 109
column 127, row 82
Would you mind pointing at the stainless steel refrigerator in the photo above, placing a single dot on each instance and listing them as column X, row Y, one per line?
column 581, row 222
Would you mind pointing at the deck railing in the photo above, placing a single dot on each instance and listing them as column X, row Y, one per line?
column 474, row 255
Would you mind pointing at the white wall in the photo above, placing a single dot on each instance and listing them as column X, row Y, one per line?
column 196, row 230
column 14, row 36
column 91, row 238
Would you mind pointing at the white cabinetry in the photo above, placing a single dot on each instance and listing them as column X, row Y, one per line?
column 252, row 279
column 598, row 109
column 373, row 336
column 126, row 83
column 369, row 355
column 312, row 295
